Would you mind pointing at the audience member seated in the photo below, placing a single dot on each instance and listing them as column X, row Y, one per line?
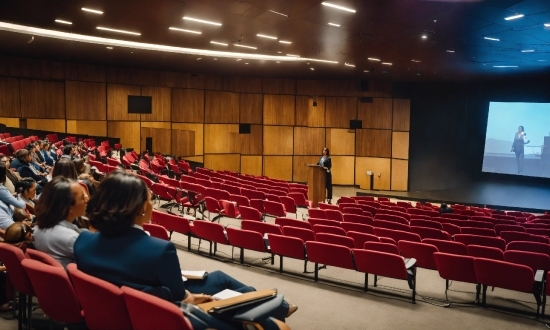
column 68, row 152
column 62, row 201
column 46, row 153
column 26, row 170
column 123, row 254
column 35, row 160
column 65, row 168
column 445, row 209
column 12, row 177
column 84, row 175
column 19, row 234
column 7, row 201
column 26, row 192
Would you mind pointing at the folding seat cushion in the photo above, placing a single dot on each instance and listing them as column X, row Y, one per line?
column 317, row 213
column 426, row 224
column 391, row 225
column 392, row 218
column 261, row 227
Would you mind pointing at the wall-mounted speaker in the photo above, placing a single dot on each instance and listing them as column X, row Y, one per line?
column 365, row 99
column 363, row 85
column 314, row 103
column 244, row 128
column 355, row 124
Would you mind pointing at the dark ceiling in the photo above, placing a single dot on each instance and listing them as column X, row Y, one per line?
column 390, row 30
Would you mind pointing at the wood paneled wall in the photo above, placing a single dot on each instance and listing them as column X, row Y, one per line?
column 197, row 116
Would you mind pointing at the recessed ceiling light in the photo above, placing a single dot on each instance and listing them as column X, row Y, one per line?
column 276, row 12
column 218, row 43
column 367, row 71
column 312, row 69
column 373, row 59
column 328, row 4
column 528, row 51
column 264, row 36
column 184, row 30
column 324, row 61
column 243, row 46
column 547, row 24
column 92, row 10
column 542, row 60
column 514, row 17
column 201, row 21
column 505, row 66
column 215, row 59
column 292, row 55
column 280, row 52
column 349, row 64
column 239, row 59
column 386, row 63
column 198, row 59
column 118, row 31
column 285, row 42
column 450, row 50
column 109, row 47
column 416, row 61
column 246, row 63
column 278, row 61
column 424, row 36
column 334, row 24
column 493, row 39
column 63, row 22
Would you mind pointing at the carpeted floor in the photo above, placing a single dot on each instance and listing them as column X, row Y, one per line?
column 337, row 301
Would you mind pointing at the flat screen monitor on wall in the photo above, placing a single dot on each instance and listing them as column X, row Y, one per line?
column 140, row 104
column 517, row 140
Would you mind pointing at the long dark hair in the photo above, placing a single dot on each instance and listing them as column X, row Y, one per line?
column 65, row 168
column 116, row 203
column 54, row 203
column 24, row 184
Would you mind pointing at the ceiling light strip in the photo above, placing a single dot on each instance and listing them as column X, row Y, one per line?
column 265, row 36
column 201, row 21
column 285, row 42
column 118, row 31
column 514, row 17
column 276, row 12
column 184, row 30
column 99, row 12
column 328, row 4
column 492, row 39
column 218, row 43
column 351, row 65
column 334, row 24
column 373, row 59
column 16, row 28
column 387, row 63
column 63, row 22
column 243, row 46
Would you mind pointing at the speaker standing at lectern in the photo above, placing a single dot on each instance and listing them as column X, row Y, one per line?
column 326, row 163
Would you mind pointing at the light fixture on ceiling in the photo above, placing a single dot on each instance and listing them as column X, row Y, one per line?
column 246, row 63
column 505, row 66
column 328, row 4
column 542, row 60
column 278, row 62
column 201, row 21
column 324, row 61
column 118, row 31
column 292, row 55
column 279, row 52
column 63, row 22
column 184, row 30
column 450, row 50
column 265, row 36
column 492, row 39
column 547, row 24
column 528, row 51
column 94, row 11
column 244, row 46
column 416, row 61
column 285, row 42
column 276, row 12
column 387, row 63
column 218, row 43
column 349, row 64
column 109, row 47
column 509, row 18
column 424, row 36
column 373, row 59
column 311, row 69
column 215, row 59
column 239, row 59
column 198, row 59
column 334, row 24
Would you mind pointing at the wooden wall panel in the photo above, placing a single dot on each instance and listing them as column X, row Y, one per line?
column 117, row 101
column 216, row 83
column 135, row 76
column 187, row 105
column 400, row 145
column 250, row 144
column 84, row 72
column 42, row 99
column 251, row 165
column 156, row 124
column 373, row 143
column 377, row 114
column 399, row 174
column 10, row 105
column 162, row 139
column 54, row 125
column 220, row 138
column 308, row 141
column 188, row 80
column 199, row 134
column 161, row 104
column 309, row 115
column 311, row 87
column 251, row 108
column 183, row 143
column 228, row 162
column 343, row 170
column 278, row 140
column 87, row 127
column 4, row 61
column 339, row 111
column 340, row 141
column 299, row 168
column 38, row 68
column 245, row 84
column 401, row 114
column 86, row 100
column 10, row 122
column 221, row 107
column 278, row 167
column 128, row 132
column 197, row 159
column 278, row 86
column 377, row 166
column 279, row 109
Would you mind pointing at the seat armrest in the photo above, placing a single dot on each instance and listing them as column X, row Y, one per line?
column 266, row 242
column 410, row 262
column 261, row 312
column 539, row 275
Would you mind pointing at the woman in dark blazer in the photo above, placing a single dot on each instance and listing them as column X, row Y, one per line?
column 326, row 163
column 123, row 254
column 520, row 140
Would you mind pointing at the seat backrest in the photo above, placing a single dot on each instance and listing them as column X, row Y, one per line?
column 274, row 208
column 315, row 221
column 12, row 257
column 142, row 305
column 288, row 246
column 425, row 232
column 481, row 240
column 247, row 239
column 487, row 252
column 449, row 247
column 382, row 247
column 283, row 222
column 426, row 224
column 102, row 302
column 397, row 235
column 391, row 225
column 360, row 238
column 54, row 290
column 250, row 213
column 330, row 254
column 329, row 229
column 358, row 227
column 455, row 267
column 529, row 247
column 363, row 219
column 210, row 231
column 422, row 252
column 404, row 215
column 500, row 228
column 380, row 263
column 533, row 260
column 171, row 222
column 391, row 218
column 335, row 239
column 478, row 231
column 504, row 274
column 261, row 227
column 317, row 213
column 157, row 231
column 302, row 233
column 43, row 258
column 289, row 203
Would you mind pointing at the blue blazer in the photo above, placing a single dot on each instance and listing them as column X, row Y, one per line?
column 136, row 260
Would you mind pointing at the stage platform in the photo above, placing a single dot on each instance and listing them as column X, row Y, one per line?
column 498, row 195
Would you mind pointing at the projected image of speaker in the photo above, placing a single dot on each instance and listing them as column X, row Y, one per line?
column 140, row 104
column 244, row 128
column 355, row 124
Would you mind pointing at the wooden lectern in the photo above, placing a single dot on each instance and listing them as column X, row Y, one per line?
column 316, row 184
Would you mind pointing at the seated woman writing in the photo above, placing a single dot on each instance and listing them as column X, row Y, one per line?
column 123, row 254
